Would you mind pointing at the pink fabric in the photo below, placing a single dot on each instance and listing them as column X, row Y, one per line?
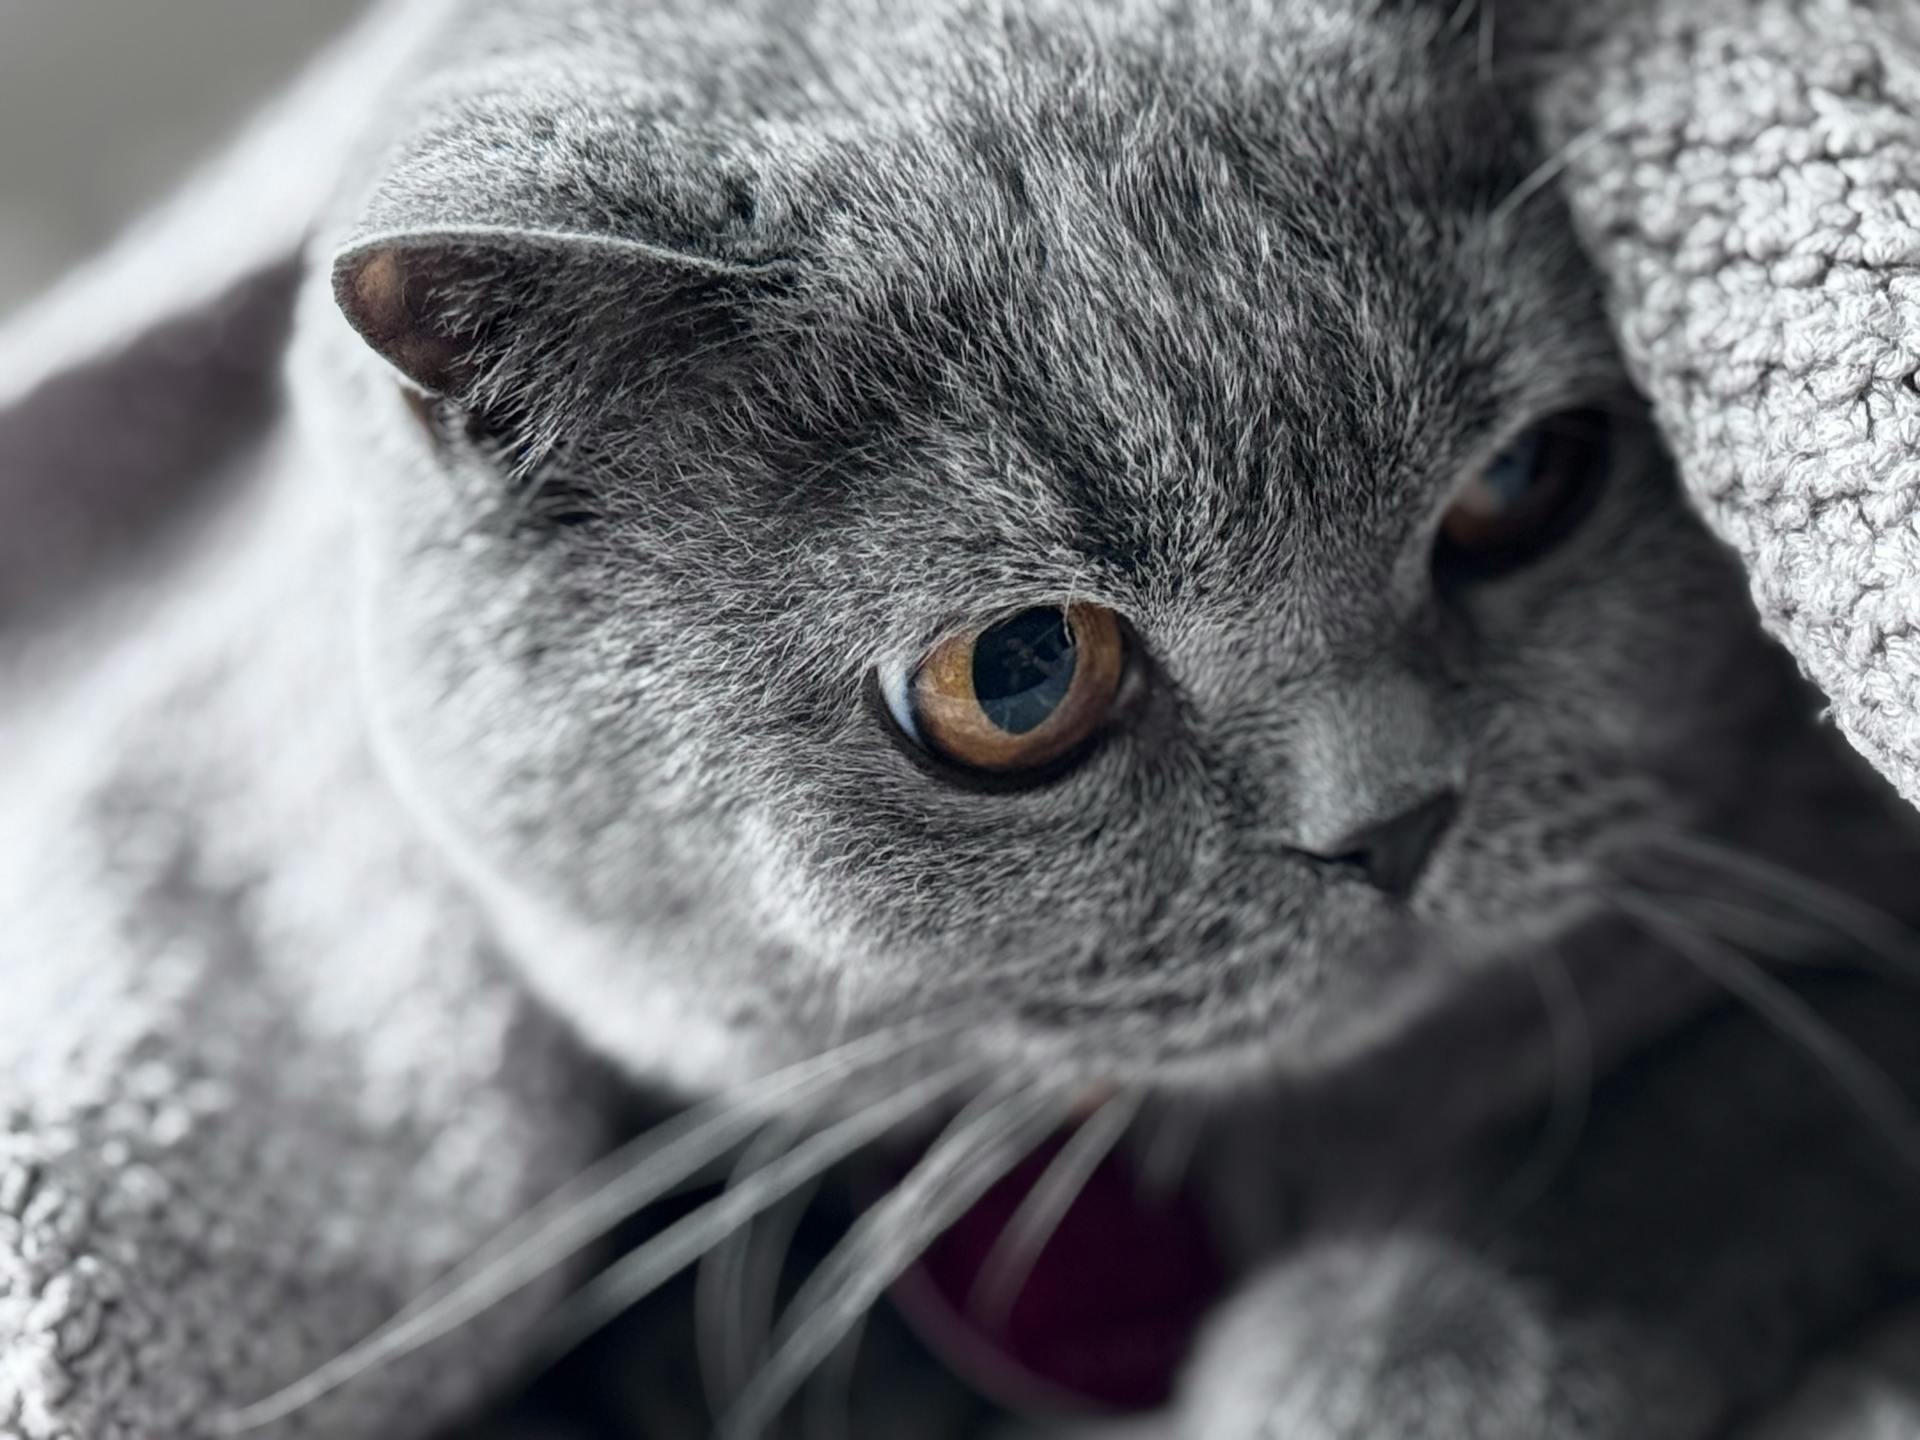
column 1108, row 1313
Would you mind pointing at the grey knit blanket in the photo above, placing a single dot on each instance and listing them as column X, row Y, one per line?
column 1748, row 175
column 231, row 1143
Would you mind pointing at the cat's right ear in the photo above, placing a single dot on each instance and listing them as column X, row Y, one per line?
column 472, row 315
column 397, row 295
column 555, row 247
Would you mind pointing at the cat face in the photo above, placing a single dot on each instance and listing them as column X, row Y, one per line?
column 780, row 451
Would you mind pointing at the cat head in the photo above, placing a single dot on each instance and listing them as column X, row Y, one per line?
column 1129, row 525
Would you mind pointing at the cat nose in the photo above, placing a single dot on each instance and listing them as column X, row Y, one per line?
column 1393, row 853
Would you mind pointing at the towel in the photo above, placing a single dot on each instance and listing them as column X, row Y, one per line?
column 262, row 1074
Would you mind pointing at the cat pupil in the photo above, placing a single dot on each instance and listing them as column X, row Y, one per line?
column 1023, row 668
column 1512, row 473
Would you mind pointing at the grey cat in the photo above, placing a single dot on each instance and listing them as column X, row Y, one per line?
column 1112, row 540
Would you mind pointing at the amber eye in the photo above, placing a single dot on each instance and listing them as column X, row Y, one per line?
column 1017, row 696
column 1532, row 496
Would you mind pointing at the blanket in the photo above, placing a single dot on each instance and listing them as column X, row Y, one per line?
column 1747, row 173
column 247, row 1110
column 237, row 1130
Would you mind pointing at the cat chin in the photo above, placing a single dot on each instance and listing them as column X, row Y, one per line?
column 631, row 1002
column 624, row 1009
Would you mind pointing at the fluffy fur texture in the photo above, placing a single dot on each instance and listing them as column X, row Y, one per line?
column 1201, row 320
column 710, row 359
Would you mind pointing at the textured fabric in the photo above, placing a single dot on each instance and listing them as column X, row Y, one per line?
column 1748, row 175
column 261, row 1076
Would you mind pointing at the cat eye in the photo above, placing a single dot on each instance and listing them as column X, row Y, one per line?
column 1536, row 491
column 1018, row 697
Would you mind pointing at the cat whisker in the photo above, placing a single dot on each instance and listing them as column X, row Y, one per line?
column 1548, row 171
column 987, row 1139
column 1572, row 1100
column 1046, row 1205
column 828, row 1403
column 1787, row 939
column 1854, row 1076
column 587, row 1208
column 1173, row 1138
column 634, row 1277
column 1883, row 936
column 735, row 1288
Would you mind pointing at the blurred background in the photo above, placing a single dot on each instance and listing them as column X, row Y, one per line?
column 104, row 104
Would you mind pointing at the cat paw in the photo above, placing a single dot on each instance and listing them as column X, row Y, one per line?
column 1387, row 1337
column 1412, row 1338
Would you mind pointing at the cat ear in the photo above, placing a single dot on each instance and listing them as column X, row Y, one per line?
column 479, row 315
column 396, row 295
column 617, row 238
column 441, row 308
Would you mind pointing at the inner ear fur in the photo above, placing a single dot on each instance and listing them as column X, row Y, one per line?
column 395, row 296
column 462, row 316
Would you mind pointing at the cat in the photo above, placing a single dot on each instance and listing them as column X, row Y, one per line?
column 1102, row 541
column 751, row 360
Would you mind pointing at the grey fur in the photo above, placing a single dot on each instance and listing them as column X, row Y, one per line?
column 1091, row 316
column 777, row 343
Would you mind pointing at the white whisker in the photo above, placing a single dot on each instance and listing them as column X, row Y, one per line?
column 1884, row 937
column 580, row 1212
column 988, row 1139
column 639, row 1274
column 1172, row 1139
column 1046, row 1205
column 1546, row 173
column 1784, row 937
column 733, row 1300
column 1854, row 1076
column 828, row 1412
column 1572, row 1101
